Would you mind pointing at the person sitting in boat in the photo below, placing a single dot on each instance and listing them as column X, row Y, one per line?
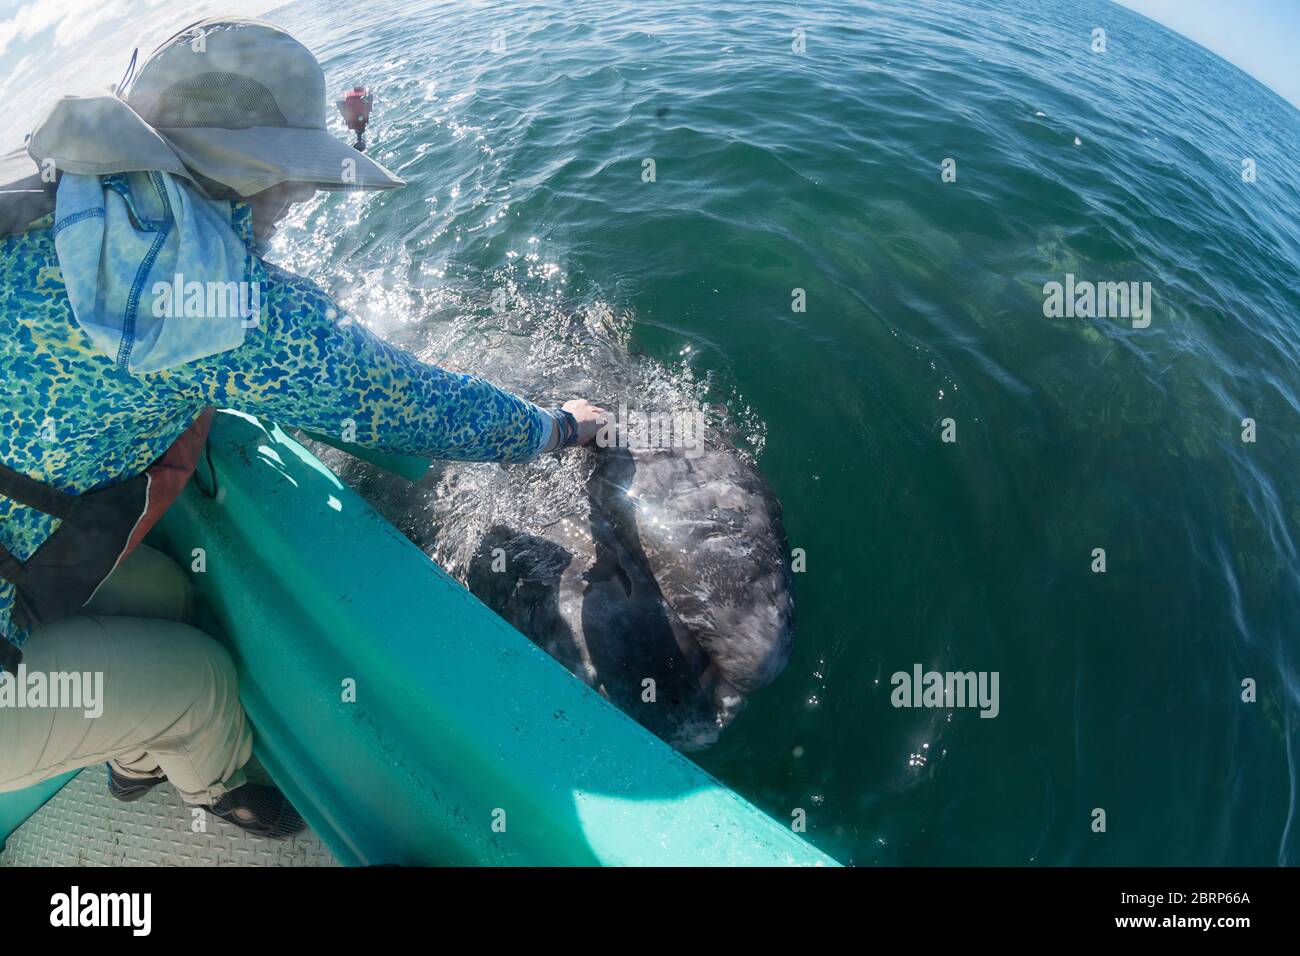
column 113, row 349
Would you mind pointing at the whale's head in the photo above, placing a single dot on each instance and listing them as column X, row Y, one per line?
column 705, row 530
column 659, row 576
column 659, row 579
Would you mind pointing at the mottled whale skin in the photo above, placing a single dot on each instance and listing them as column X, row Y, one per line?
column 628, row 566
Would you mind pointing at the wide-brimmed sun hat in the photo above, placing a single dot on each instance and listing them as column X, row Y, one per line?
column 239, row 102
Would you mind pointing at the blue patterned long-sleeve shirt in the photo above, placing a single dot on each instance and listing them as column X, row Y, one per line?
column 75, row 419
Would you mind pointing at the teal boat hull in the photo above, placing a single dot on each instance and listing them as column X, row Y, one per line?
column 409, row 723
column 17, row 805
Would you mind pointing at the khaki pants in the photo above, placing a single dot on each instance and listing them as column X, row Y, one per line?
column 170, row 699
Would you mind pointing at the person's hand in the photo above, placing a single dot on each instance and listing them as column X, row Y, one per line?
column 590, row 418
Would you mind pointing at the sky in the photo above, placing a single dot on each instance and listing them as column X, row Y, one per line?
column 89, row 43
column 1261, row 37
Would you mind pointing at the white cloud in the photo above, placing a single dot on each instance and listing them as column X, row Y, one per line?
column 82, row 46
column 35, row 18
column 75, row 21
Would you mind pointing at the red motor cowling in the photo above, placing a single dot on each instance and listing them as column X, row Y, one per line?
column 355, row 107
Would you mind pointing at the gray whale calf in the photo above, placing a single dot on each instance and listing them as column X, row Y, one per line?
column 657, row 575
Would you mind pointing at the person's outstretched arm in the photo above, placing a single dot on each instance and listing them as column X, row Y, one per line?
column 302, row 368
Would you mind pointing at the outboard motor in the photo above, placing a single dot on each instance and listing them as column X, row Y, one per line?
column 355, row 107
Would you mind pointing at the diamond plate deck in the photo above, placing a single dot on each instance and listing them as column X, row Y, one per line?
column 82, row 825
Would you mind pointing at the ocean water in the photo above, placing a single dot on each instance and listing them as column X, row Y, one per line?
column 522, row 130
